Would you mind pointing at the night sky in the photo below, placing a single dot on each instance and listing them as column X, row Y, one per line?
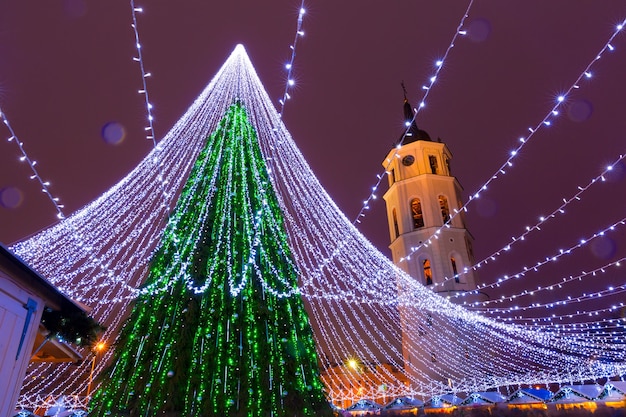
column 66, row 70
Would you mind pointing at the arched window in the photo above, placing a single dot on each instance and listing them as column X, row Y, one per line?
column 416, row 212
column 428, row 272
column 395, row 223
column 455, row 270
column 432, row 160
column 445, row 211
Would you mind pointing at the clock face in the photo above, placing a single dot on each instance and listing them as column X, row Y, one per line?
column 408, row 160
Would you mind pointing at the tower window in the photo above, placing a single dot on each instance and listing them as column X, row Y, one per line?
column 445, row 210
column 393, row 175
column 432, row 160
column 428, row 272
column 455, row 270
column 416, row 212
column 395, row 223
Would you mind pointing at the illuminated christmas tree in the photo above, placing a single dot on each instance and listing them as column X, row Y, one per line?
column 220, row 329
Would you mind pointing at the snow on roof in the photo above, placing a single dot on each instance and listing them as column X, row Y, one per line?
column 529, row 396
column 484, row 398
column 403, row 403
column 445, row 400
column 364, row 405
column 577, row 393
column 613, row 390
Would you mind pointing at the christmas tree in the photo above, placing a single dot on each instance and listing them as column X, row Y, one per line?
column 220, row 328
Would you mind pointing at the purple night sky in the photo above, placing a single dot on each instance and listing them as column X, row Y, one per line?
column 66, row 70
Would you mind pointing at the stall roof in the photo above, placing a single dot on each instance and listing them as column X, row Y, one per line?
column 577, row 393
column 529, row 396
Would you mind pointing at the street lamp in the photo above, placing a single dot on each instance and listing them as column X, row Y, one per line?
column 99, row 347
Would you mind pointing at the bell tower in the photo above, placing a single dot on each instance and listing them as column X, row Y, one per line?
column 430, row 242
column 422, row 199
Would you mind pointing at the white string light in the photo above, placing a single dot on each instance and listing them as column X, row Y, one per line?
column 554, row 257
column 144, row 75
column 31, row 163
column 290, row 82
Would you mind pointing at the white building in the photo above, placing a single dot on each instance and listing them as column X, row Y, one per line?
column 24, row 295
column 424, row 199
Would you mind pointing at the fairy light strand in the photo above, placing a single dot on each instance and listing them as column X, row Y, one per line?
column 31, row 163
column 290, row 82
column 144, row 75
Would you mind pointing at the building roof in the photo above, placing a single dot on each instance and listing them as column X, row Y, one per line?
column 53, row 297
column 529, row 396
column 484, row 398
column 365, row 405
column 403, row 403
column 577, row 393
column 45, row 349
column 445, row 400
column 613, row 390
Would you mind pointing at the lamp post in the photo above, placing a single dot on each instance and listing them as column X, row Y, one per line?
column 97, row 348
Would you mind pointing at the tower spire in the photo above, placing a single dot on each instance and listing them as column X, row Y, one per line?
column 414, row 133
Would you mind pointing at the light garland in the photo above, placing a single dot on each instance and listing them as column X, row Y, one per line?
column 45, row 185
column 356, row 291
column 290, row 82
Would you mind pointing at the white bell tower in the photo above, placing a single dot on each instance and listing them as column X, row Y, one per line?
column 422, row 197
column 432, row 245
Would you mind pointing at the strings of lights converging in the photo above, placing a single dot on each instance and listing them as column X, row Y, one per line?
column 356, row 290
column 553, row 257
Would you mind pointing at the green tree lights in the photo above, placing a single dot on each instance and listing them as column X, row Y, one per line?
column 220, row 329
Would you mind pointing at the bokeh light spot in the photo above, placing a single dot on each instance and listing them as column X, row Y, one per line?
column 113, row 133
column 478, row 30
column 603, row 248
column 486, row 207
column 75, row 8
column 580, row 110
column 11, row 197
